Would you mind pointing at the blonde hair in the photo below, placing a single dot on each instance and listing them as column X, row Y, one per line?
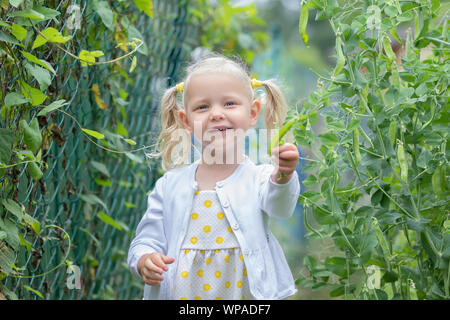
column 274, row 114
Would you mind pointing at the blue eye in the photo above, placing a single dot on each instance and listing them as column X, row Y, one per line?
column 203, row 106
column 229, row 103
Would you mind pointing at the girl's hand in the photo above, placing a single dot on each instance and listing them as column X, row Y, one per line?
column 151, row 267
column 285, row 158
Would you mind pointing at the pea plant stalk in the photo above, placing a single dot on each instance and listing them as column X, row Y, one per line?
column 392, row 213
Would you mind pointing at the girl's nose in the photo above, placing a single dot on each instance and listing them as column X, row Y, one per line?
column 216, row 114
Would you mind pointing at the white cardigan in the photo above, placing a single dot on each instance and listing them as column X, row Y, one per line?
column 249, row 197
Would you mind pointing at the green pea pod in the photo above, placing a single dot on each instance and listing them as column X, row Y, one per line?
column 402, row 162
column 304, row 14
column 392, row 132
column 277, row 139
column 439, row 182
column 340, row 63
column 395, row 75
column 31, row 134
column 356, row 146
column 34, row 171
column 381, row 239
column 388, row 49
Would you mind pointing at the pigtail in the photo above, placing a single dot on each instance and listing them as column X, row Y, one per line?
column 276, row 108
column 171, row 129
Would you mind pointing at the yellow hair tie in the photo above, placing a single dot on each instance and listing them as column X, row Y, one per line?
column 180, row 87
column 256, row 83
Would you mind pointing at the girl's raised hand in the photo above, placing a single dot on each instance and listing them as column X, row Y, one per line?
column 151, row 266
column 285, row 158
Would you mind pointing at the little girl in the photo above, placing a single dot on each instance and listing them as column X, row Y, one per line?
column 205, row 233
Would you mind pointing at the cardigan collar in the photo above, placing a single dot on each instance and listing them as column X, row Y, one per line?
column 194, row 166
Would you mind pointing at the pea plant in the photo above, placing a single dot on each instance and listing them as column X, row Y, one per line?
column 377, row 182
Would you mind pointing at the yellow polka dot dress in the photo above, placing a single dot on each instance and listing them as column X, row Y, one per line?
column 210, row 263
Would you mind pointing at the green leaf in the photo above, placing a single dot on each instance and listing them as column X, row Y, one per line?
column 130, row 141
column 323, row 217
column 46, row 12
column 40, row 74
column 6, row 141
column 335, row 124
column 109, row 220
column 134, row 157
column 34, row 291
column 7, row 259
column 18, row 31
column 353, row 125
column 100, row 167
column 103, row 182
column 93, row 133
column 121, row 129
column 12, row 232
column 88, row 57
column 35, row 95
column 15, row 3
column 27, row 13
column 312, row 195
column 32, row 134
column 337, row 290
column 93, row 199
column 310, row 262
column 146, row 6
column 5, row 25
column 41, row 62
column 381, row 294
column 25, row 243
column 53, row 106
column 391, row 11
column 133, row 64
column 7, row 38
column 329, row 139
column 14, row 208
column 133, row 34
column 337, row 265
column 32, row 222
column 15, row 99
column 34, row 171
column 130, row 205
column 310, row 181
column 390, row 276
column 423, row 159
column 367, row 243
column 405, row 16
column 106, row 14
column 376, row 197
column 49, row 34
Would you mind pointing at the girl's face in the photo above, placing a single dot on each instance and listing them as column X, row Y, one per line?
column 218, row 100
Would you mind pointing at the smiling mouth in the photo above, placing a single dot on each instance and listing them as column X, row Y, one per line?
column 221, row 129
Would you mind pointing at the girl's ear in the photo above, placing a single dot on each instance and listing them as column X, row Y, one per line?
column 254, row 112
column 184, row 120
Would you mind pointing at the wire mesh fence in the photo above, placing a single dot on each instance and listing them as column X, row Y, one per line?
column 90, row 200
